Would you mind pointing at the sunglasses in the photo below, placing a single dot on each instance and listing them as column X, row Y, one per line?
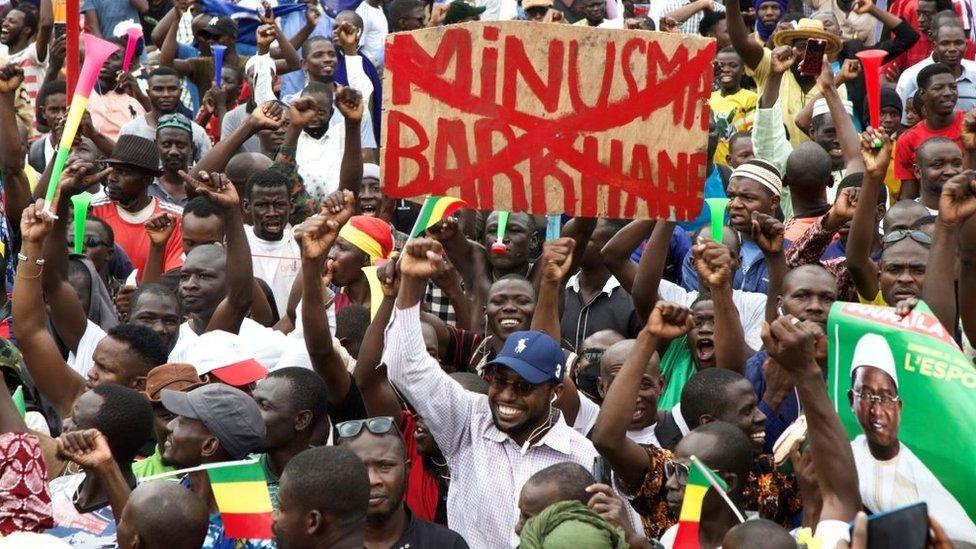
column 593, row 355
column 675, row 469
column 94, row 242
column 901, row 234
column 90, row 242
column 376, row 425
column 520, row 386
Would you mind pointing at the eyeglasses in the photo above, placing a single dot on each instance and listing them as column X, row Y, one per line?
column 885, row 401
column 376, row 425
column 676, row 470
column 520, row 386
column 901, row 234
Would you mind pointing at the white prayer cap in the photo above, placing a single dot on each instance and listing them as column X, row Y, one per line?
column 761, row 172
column 873, row 350
column 820, row 107
column 371, row 171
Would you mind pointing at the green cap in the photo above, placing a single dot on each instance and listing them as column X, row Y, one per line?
column 174, row 120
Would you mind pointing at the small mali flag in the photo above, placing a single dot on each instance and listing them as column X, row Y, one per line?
column 434, row 209
column 242, row 498
column 700, row 479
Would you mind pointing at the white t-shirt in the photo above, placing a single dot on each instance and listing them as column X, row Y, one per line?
column 277, row 262
column 319, row 160
column 751, row 307
column 375, row 29
column 82, row 359
column 586, row 419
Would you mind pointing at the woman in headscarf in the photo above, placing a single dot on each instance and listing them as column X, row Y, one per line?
column 363, row 243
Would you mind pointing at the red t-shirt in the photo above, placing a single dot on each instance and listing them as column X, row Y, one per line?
column 921, row 50
column 132, row 237
column 911, row 140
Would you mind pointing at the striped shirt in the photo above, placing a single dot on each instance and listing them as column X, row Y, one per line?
column 34, row 68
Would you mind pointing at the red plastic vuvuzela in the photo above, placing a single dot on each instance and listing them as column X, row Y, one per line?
column 871, row 65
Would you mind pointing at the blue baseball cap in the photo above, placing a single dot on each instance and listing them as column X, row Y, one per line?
column 533, row 355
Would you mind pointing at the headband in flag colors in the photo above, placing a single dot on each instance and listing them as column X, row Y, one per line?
column 241, row 493
column 97, row 51
column 375, row 289
column 372, row 235
column 434, row 209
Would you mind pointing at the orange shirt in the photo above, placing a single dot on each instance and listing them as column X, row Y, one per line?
column 132, row 237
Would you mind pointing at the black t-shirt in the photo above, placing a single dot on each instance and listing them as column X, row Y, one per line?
column 421, row 534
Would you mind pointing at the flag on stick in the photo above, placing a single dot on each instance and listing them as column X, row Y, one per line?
column 700, row 479
column 434, row 209
column 241, row 492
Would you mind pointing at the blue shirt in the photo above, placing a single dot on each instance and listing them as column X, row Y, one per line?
column 677, row 250
column 837, row 249
column 216, row 538
column 186, row 51
column 776, row 420
column 751, row 276
column 111, row 13
column 294, row 81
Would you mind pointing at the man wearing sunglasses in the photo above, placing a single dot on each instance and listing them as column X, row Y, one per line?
column 726, row 450
column 889, row 473
column 899, row 273
column 377, row 442
column 492, row 444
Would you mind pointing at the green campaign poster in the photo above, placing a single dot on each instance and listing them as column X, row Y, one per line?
column 907, row 396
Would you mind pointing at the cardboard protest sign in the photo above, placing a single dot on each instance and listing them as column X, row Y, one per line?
column 907, row 396
column 549, row 119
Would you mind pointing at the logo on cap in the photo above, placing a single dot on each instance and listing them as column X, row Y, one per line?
column 521, row 346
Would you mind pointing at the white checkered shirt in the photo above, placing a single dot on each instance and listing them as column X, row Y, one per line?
column 436, row 302
column 488, row 468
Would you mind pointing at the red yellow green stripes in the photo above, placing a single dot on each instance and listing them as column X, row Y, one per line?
column 700, row 479
column 97, row 51
column 434, row 209
column 241, row 493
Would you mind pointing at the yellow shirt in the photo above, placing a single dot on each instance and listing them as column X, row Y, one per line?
column 731, row 113
column 791, row 96
column 891, row 182
column 878, row 300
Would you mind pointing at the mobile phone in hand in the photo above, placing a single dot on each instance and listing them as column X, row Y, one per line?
column 601, row 471
column 903, row 528
column 813, row 58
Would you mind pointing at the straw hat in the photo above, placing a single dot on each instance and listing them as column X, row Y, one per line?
column 806, row 29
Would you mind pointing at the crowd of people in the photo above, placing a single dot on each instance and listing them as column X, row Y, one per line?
column 220, row 277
